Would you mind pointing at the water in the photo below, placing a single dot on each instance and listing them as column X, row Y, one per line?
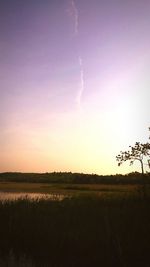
column 12, row 196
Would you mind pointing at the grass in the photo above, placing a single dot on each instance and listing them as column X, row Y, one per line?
column 64, row 188
column 85, row 230
column 97, row 225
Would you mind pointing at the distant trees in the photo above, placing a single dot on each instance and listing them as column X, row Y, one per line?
column 137, row 152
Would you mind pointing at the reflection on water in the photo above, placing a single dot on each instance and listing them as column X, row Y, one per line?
column 5, row 196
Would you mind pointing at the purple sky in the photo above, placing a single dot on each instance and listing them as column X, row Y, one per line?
column 72, row 71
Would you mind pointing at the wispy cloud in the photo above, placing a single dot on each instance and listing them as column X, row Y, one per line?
column 82, row 83
column 75, row 15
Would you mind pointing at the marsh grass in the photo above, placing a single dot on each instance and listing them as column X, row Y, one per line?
column 85, row 230
column 66, row 188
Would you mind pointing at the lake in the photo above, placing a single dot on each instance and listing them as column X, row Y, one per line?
column 12, row 196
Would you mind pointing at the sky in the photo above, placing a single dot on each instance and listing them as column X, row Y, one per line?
column 74, row 84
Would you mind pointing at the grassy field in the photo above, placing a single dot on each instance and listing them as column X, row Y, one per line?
column 100, row 190
column 64, row 188
column 97, row 225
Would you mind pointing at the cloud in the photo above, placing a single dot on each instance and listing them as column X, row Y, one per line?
column 75, row 14
column 82, row 83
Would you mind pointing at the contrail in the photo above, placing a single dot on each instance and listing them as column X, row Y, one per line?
column 82, row 84
column 75, row 14
column 76, row 17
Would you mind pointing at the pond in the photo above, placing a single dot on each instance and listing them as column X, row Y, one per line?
column 12, row 196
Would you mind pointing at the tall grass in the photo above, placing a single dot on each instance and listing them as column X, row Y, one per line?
column 85, row 231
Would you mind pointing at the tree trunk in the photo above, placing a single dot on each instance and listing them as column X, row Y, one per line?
column 142, row 167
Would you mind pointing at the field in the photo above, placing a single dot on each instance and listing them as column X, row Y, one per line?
column 67, row 188
column 95, row 225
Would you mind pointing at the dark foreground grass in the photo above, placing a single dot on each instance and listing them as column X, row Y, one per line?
column 85, row 231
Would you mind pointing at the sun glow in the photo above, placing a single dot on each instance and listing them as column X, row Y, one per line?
column 74, row 91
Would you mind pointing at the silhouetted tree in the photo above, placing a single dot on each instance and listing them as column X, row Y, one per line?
column 136, row 152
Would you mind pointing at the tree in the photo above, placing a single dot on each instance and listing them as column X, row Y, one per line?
column 137, row 152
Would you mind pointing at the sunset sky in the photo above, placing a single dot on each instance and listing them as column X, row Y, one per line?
column 74, row 83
